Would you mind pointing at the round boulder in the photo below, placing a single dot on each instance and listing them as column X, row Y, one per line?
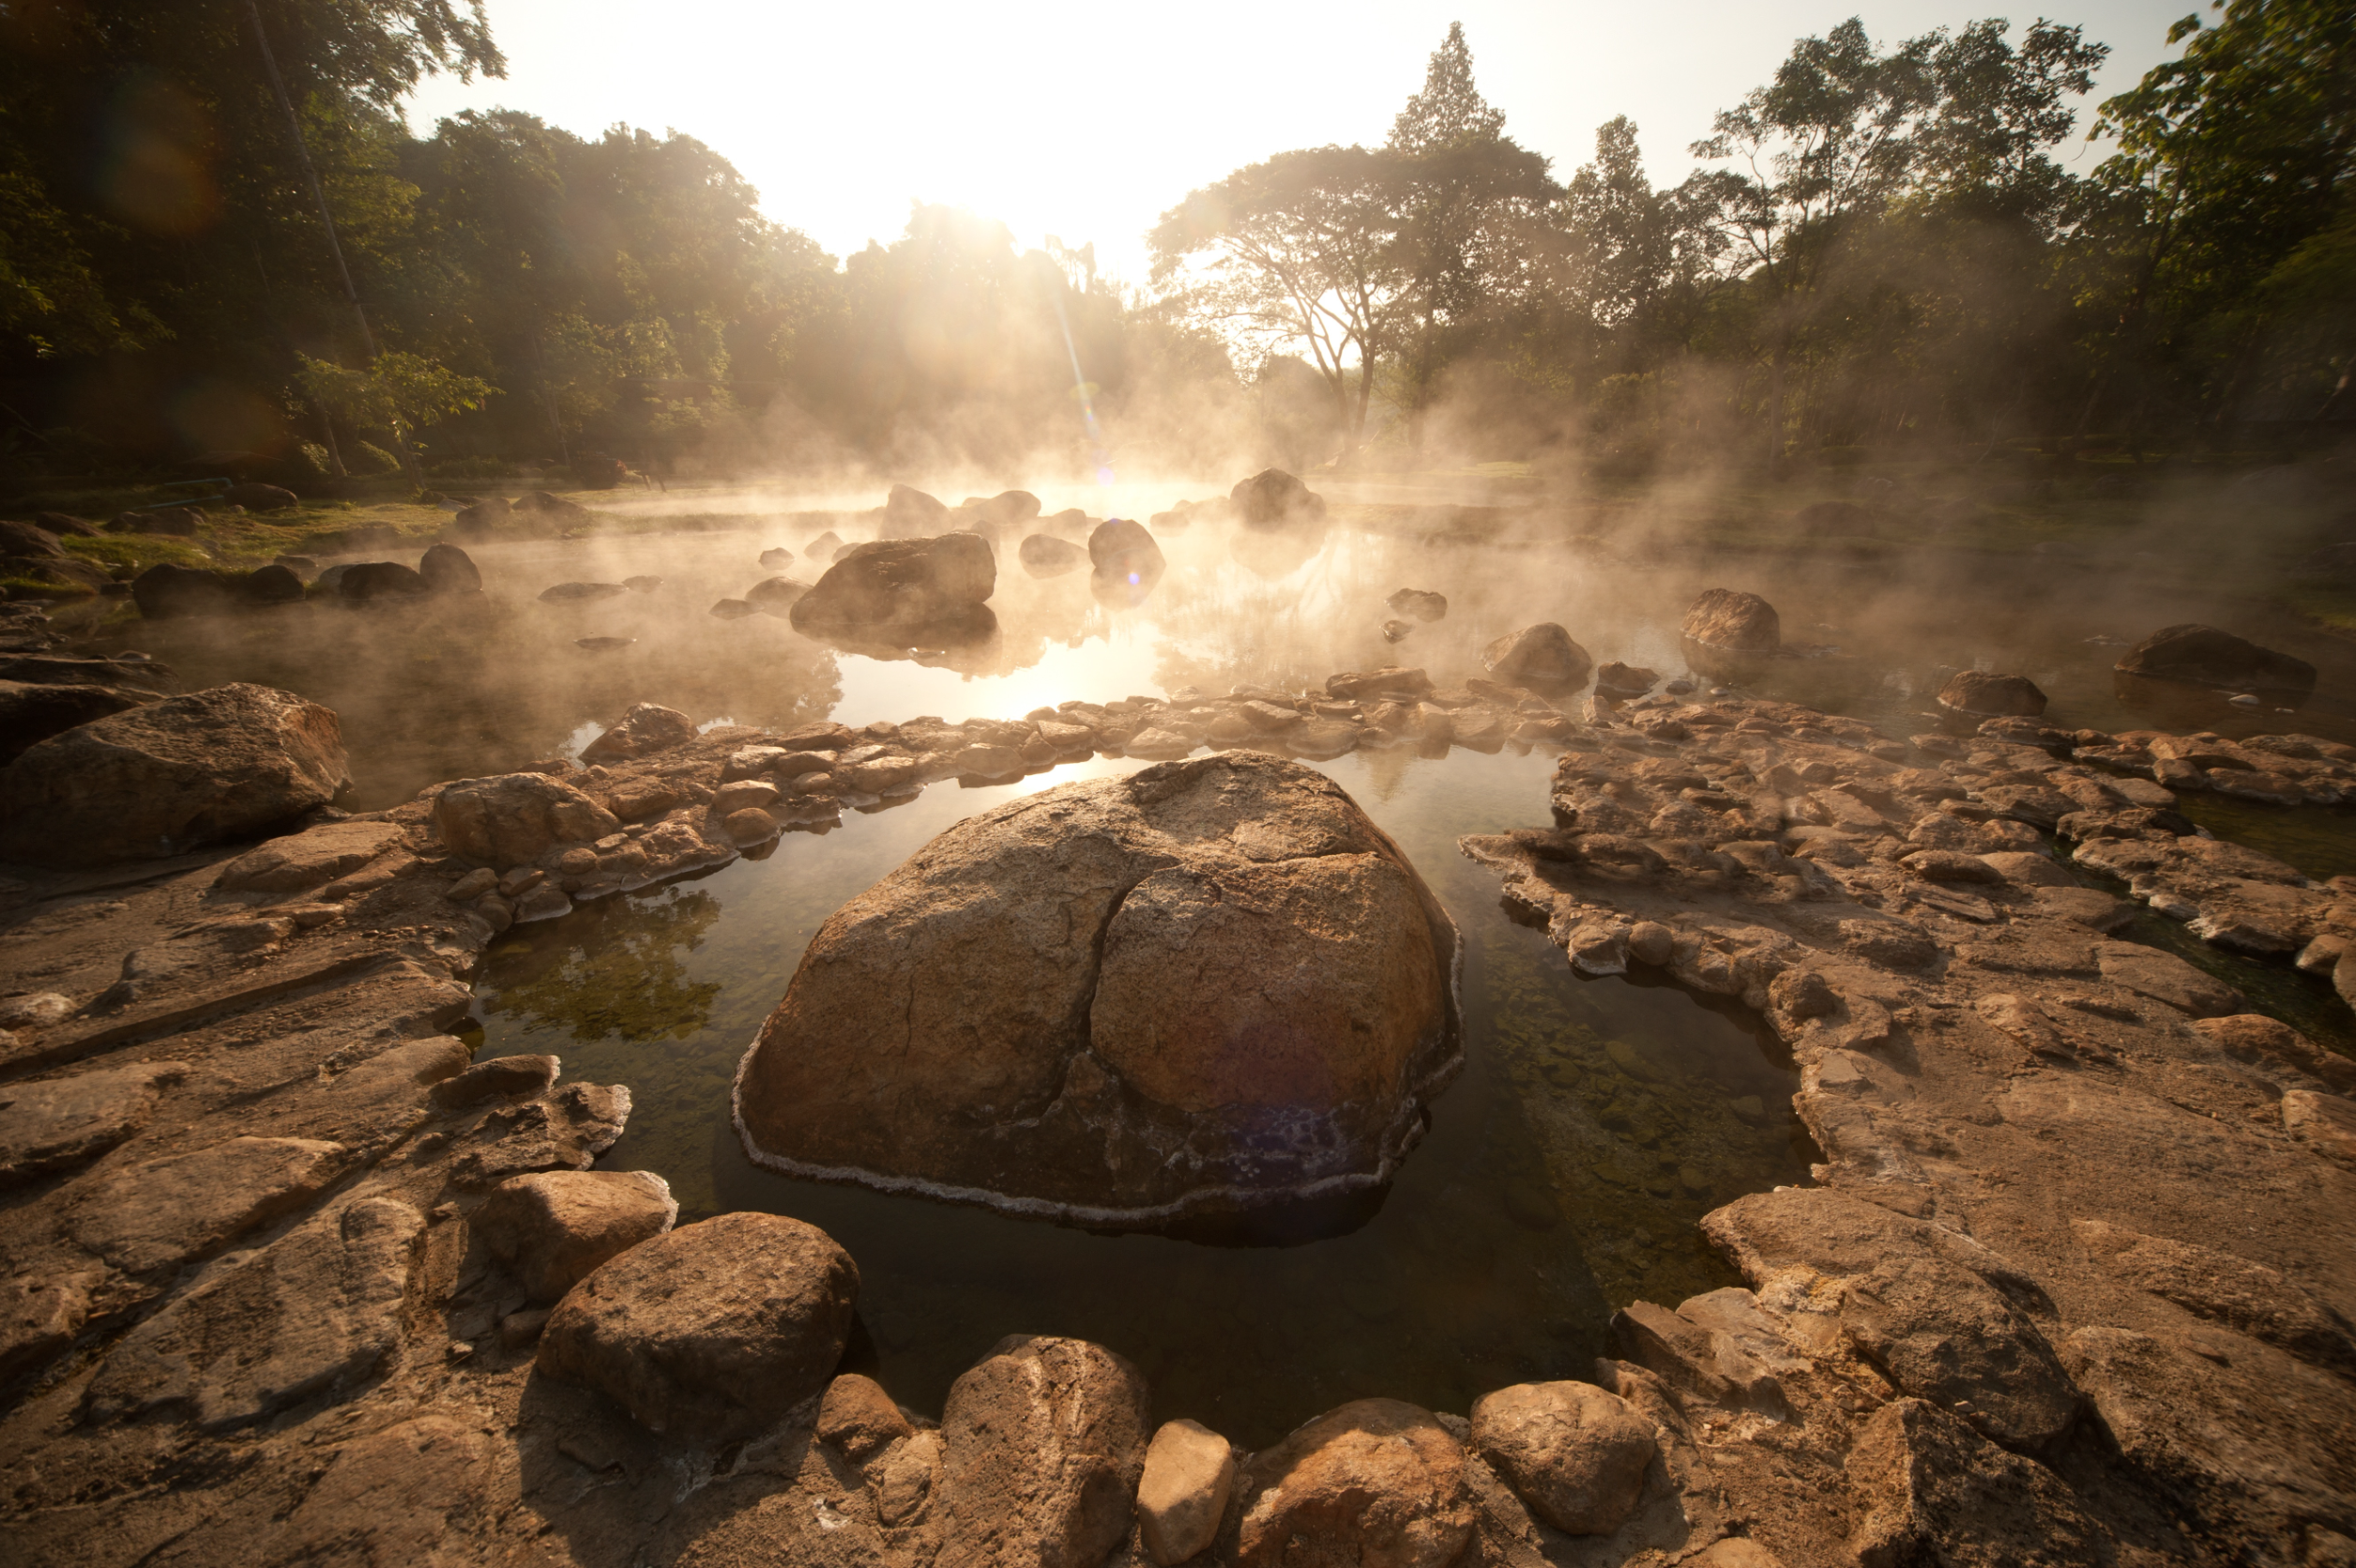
column 1992, row 696
column 446, row 569
column 1212, row 984
column 917, row 586
column 1121, row 549
column 1732, row 621
column 227, row 763
column 165, row 591
column 1419, row 604
column 256, row 496
column 715, row 1330
column 1575, row 1453
column 1541, row 658
column 270, row 585
column 775, row 596
column 1374, row 1481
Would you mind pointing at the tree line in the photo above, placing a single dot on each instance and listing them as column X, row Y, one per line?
column 218, row 236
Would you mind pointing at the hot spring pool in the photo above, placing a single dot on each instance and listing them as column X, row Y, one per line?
column 1595, row 1121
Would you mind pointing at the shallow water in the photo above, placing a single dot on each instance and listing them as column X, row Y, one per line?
column 1595, row 1122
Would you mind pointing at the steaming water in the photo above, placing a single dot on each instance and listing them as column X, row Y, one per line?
column 450, row 690
column 1594, row 1123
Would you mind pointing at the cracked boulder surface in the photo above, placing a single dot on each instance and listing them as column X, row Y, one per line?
column 1210, row 984
column 2071, row 1289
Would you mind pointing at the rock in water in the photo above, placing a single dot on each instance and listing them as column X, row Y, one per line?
column 775, row 596
column 1421, row 604
column 2207, row 657
column 446, row 569
column 1009, row 508
column 512, row 819
column 227, row 763
column 1045, row 555
column 903, row 585
column 1541, row 658
column 1125, row 550
column 1271, row 498
column 1617, row 679
column 910, row 513
column 1993, row 697
column 1212, row 984
column 1734, row 622
column 379, row 582
column 713, row 1331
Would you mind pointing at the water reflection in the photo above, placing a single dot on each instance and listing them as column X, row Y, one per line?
column 1594, row 1123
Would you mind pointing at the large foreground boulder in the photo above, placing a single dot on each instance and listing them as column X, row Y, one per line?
column 1575, row 1454
column 2205, row 656
column 228, row 763
column 903, row 586
column 713, row 1331
column 1274, row 498
column 1212, row 984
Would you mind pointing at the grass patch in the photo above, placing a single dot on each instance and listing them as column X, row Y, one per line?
column 36, row 587
column 135, row 551
column 2328, row 605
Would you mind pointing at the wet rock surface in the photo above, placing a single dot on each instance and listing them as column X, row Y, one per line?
column 1209, row 984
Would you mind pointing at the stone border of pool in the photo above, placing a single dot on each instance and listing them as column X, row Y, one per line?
column 2073, row 1286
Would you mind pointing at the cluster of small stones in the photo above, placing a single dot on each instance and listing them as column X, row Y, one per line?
column 693, row 801
column 287, row 1280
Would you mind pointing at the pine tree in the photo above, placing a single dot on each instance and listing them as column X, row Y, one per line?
column 1450, row 111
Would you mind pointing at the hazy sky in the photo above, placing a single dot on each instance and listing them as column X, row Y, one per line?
column 1089, row 122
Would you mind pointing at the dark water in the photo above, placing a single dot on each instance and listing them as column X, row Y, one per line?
column 1595, row 1122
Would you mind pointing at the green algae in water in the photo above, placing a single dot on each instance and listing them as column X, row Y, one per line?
column 1562, row 1174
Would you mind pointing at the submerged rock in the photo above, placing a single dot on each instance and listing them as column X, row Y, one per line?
column 775, row 596
column 379, row 582
column 574, row 593
column 227, row 763
column 2205, row 656
column 1212, row 984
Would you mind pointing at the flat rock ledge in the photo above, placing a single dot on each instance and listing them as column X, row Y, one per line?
column 2073, row 1285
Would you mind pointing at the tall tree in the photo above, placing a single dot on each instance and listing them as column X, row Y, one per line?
column 1471, row 203
column 1302, row 248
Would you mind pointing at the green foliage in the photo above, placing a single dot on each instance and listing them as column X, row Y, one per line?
column 398, row 389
